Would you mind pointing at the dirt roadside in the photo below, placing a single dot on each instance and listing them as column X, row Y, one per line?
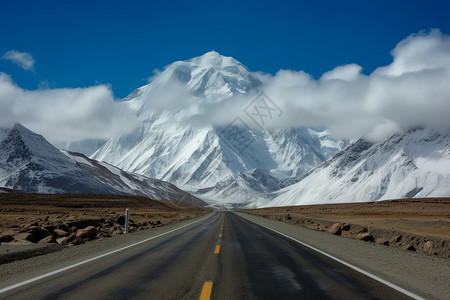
column 36, row 224
column 419, row 225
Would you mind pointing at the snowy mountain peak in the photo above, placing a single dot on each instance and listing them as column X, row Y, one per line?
column 211, row 59
column 22, row 143
column 29, row 163
column 24, row 132
column 214, row 60
column 171, row 147
column 214, row 75
column 211, row 76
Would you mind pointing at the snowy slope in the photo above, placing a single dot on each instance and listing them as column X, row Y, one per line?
column 197, row 157
column 31, row 164
column 413, row 164
column 133, row 184
column 252, row 188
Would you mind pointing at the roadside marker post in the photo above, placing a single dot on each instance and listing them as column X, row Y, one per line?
column 126, row 220
column 273, row 217
column 284, row 217
column 178, row 217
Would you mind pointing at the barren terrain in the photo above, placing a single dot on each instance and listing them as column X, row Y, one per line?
column 32, row 224
column 421, row 225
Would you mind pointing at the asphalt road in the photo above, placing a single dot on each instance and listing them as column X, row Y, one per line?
column 222, row 257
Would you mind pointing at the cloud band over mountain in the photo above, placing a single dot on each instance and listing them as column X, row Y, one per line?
column 412, row 91
column 64, row 115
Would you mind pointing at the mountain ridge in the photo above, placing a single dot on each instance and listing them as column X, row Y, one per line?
column 29, row 163
column 415, row 163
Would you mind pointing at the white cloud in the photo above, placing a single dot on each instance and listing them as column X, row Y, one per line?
column 22, row 59
column 64, row 115
column 348, row 73
column 412, row 91
column 419, row 52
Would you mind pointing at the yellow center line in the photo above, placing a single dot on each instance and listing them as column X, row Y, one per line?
column 217, row 250
column 220, row 235
column 206, row 291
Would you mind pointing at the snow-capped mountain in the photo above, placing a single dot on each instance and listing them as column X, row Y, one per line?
column 199, row 157
column 413, row 164
column 133, row 184
column 211, row 76
column 252, row 188
column 29, row 163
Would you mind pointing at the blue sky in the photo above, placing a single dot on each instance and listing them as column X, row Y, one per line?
column 120, row 43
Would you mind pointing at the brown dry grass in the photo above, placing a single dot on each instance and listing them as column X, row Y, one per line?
column 426, row 216
column 20, row 208
column 400, row 223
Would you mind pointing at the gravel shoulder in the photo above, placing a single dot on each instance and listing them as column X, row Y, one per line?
column 21, row 270
column 424, row 275
column 10, row 253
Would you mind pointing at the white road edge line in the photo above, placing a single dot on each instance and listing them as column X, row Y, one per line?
column 375, row 277
column 6, row 289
